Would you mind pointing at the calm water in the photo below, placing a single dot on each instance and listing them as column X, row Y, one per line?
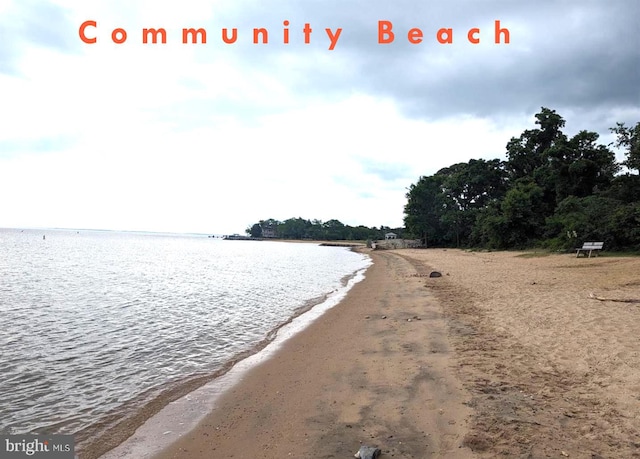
column 92, row 320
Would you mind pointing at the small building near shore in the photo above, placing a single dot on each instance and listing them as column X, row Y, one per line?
column 268, row 231
column 390, row 236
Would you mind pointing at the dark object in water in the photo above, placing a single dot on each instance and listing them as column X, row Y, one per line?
column 368, row 452
column 435, row 274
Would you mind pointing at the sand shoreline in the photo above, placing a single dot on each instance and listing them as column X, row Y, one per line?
column 112, row 438
column 505, row 355
column 374, row 370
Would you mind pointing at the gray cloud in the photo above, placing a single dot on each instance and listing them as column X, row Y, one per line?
column 577, row 56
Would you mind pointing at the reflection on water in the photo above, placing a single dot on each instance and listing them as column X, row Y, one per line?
column 93, row 319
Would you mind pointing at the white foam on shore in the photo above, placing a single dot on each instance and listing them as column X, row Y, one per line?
column 183, row 415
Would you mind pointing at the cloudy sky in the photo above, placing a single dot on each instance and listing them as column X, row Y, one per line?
column 213, row 137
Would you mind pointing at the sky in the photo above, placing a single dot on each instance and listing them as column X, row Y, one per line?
column 213, row 137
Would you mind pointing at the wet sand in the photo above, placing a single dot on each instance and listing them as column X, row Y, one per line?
column 375, row 370
column 505, row 355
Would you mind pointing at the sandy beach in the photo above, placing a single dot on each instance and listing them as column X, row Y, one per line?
column 506, row 355
column 375, row 370
column 553, row 372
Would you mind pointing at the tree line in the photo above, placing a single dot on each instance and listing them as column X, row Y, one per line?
column 552, row 191
column 331, row 230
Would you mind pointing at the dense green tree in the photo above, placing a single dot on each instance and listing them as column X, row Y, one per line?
column 530, row 155
column 581, row 167
column 295, row 228
column 490, row 228
column 624, row 188
column 522, row 214
column 625, row 226
column 333, row 230
column 588, row 219
column 474, row 184
column 551, row 190
column 424, row 209
column 467, row 188
column 255, row 230
column 629, row 138
column 529, row 152
column 300, row 228
column 362, row 233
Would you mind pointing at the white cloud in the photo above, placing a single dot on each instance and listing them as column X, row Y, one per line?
column 307, row 162
column 212, row 138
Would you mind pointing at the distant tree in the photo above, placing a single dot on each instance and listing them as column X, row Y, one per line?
column 294, row 228
column 490, row 228
column 629, row 138
column 625, row 225
column 522, row 213
column 424, row 210
column 580, row 167
column 300, row 228
column 334, row 230
column 528, row 152
column 467, row 188
column 362, row 233
column 550, row 191
column 624, row 188
column 590, row 217
column 255, row 230
column 270, row 227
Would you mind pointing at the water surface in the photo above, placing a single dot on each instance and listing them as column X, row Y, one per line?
column 92, row 320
